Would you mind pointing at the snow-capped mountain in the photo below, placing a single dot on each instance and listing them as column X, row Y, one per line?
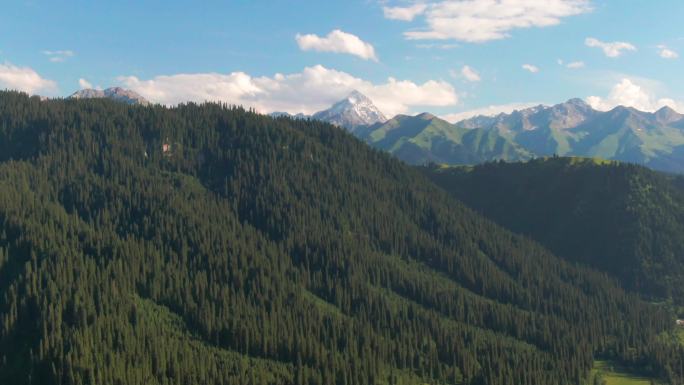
column 115, row 93
column 353, row 111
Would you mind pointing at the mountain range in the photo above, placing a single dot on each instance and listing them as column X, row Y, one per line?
column 572, row 128
column 426, row 138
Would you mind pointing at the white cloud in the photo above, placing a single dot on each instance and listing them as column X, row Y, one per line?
column 404, row 13
column 84, row 83
column 485, row 20
column 612, row 49
column 488, row 111
column 630, row 94
column 667, row 53
column 531, row 68
column 572, row 65
column 58, row 56
column 437, row 46
column 575, row 65
column 24, row 79
column 339, row 42
column 313, row 89
column 470, row 74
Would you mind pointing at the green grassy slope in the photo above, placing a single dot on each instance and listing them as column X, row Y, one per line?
column 425, row 138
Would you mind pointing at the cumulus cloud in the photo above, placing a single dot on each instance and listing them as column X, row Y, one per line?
column 84, row 83
column 484, row 20
column 612, row 49
column 404, row 13
column 313, row 89
column 470, row 74
column 630, row 94
column 24, row 79
column 339, row 42
column 531, row 68
column 58, row 56
column 667, row 53
column 488, row 111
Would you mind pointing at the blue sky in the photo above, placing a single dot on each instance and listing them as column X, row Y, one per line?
column 443, row 56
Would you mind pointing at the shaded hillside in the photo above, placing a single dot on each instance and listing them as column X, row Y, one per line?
column 623, row 219
column 206, row 244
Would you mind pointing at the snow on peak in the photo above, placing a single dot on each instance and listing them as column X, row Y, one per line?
column 114, row 93
column 353, row 111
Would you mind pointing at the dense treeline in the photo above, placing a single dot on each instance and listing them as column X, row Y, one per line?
column 209, row 244
column 621, row 218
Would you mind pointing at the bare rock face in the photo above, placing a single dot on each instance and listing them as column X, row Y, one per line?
column 115, row 93
column 561, row 116
column 352, row 112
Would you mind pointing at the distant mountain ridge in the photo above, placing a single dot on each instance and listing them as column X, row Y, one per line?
column 282, row 114
column 426, row 138
column 573, row 128
column 115, row 93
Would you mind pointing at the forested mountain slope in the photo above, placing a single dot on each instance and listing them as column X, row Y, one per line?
column 621, row 218
column 212, row 245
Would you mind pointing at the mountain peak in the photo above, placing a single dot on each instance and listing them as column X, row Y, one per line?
column 578, row 103
column 623, row 110
column 666, row 109
column 115, row 93
column 357, row 97
column 353, row 111
column 426, row 116
column 668, row 115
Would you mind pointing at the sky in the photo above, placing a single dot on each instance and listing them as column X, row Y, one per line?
column 453, row 58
